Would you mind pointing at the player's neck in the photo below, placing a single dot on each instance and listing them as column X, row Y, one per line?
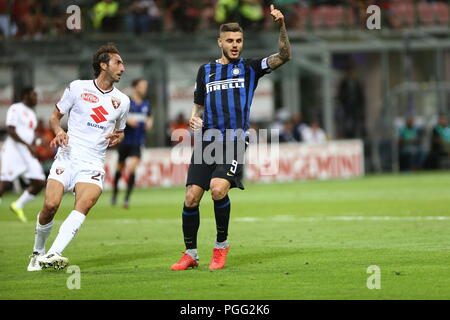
column 225, row 60
column 27, row 105
column 137, row 98
column 104, row 84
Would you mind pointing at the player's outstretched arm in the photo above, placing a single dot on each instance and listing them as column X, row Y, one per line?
column 284, row 54
column 61, row 139
column 115, row 138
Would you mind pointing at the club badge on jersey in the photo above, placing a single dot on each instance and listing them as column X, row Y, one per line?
column 115, row 102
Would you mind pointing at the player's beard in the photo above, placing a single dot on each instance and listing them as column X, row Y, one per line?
column 229, row 58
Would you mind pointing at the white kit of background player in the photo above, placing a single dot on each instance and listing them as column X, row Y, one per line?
column 97, row 113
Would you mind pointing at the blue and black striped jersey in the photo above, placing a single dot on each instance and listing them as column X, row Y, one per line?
column 226, row 91
column 138, row 111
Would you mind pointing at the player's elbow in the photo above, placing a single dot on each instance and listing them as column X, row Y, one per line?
column 286, row 57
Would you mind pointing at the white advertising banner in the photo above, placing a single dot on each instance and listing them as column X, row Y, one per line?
column 291, row 162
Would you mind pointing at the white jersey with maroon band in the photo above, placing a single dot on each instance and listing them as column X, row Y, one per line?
column 24, row 120
column 92, row 114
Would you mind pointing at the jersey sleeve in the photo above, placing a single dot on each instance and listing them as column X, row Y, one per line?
column 122, row 121
column 12, row 117
column 260, row 66
column 67, row 100
column 199, row 91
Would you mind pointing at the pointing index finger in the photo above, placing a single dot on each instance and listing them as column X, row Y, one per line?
column 272, row 7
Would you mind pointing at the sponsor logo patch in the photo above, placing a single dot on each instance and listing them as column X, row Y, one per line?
column 89, row 97
column 59, row 171
column 99, row 115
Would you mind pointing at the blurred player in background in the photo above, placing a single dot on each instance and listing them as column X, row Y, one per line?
column 97, row 113
column 139, row 121
column 223, row 95
column 18, row 154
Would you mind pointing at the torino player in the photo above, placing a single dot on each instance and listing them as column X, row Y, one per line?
column 18, row 155
column 97, row 114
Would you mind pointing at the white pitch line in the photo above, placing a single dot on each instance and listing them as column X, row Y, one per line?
column 287, row 218
column 342, row 218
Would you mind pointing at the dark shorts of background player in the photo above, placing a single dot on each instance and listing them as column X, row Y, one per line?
column 126, row 151
column 202, row 173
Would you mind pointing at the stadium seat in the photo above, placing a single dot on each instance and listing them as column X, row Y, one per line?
column 349, row 18
column 403, row 12
column 333, row 16
column 317, row 17
column 441, row 13
column 302, row 14
column 426, row 15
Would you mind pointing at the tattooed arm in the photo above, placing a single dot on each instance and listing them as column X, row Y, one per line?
column 284, row 55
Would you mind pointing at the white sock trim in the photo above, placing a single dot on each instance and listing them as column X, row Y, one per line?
column 41, row 235
column 193, row 253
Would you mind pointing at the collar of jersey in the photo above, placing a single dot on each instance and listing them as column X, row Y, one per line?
column 233, row 63
column 104, row 92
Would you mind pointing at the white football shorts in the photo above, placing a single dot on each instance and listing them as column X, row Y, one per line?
column 16, row 160
column 70, row 172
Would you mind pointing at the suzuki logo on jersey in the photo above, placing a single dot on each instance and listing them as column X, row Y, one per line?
column 99, row 115
column 225, row 84
column 89, row 97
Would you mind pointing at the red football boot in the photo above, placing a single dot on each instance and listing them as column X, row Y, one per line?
column 184, row 263
column 218, row 259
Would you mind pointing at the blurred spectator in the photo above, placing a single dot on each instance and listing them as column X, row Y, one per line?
column 184, row 14
column 207, row 14
column 180, row 123
column 249, row 13
column 30, row 20
column 145, row 16
column 106, row 16
column 7, row 27
column 410, row 149
column 299, row 125
column 287, row 132
column 45, row 154
column 314, row 134
column 352, row 103
column 55, row 11
column 440, row 143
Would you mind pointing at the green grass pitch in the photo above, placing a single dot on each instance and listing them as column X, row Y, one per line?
column 305, row 240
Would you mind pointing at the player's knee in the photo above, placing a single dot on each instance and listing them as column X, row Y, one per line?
column 218, row 193
column 50, row 207
column 191, row 200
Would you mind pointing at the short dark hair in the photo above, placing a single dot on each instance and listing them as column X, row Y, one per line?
column 231, row 27
column 25, row 91
column 136, row 82
column 103, row 54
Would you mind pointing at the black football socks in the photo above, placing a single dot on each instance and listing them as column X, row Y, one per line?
column 130, row 185
column 191, row 223
column 222, row 209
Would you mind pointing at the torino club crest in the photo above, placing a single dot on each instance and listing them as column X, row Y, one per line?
column 115, row 102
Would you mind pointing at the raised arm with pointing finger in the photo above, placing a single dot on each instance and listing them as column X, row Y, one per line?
column 284, row 53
